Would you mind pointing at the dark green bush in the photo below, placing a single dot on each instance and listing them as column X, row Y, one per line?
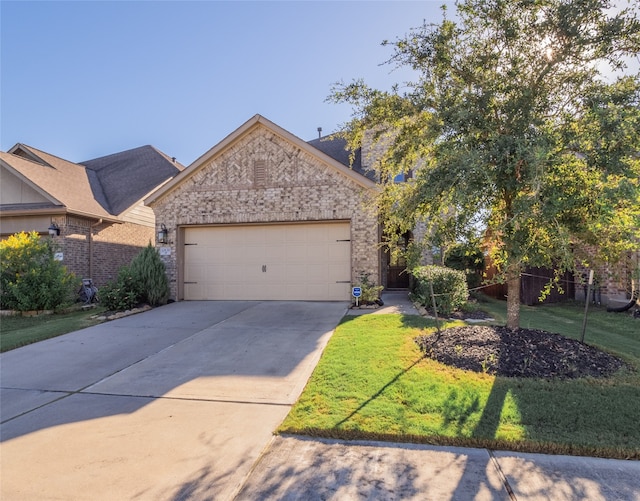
column 121, row 294
column 449, row 287
column 30, row 277
column 467, row 257
column 149, row 270
column 143, row 281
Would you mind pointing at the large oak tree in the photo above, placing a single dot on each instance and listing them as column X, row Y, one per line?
column 512, row 127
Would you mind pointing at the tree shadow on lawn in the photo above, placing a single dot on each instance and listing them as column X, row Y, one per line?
column 601, row 424
column 534, row 475
column 608, row 418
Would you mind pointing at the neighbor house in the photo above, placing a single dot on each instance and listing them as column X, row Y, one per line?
column 93, row 209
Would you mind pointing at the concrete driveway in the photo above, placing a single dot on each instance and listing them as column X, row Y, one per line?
column 174, row 403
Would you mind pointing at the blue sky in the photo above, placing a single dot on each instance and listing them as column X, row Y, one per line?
column 84, row 79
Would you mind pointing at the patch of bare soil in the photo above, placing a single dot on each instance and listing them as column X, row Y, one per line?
column 519, row 353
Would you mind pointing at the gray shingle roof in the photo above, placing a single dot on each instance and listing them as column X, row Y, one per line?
column 335, row 147
column 121, row 179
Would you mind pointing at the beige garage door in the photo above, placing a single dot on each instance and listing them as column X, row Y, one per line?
column 268, row 262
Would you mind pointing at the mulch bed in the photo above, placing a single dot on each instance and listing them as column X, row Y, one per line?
column 526, row 353
column 473, row 315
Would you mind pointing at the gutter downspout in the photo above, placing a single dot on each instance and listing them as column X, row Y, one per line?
column 98, row 222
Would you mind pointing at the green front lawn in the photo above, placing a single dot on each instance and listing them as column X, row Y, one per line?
column 373, row 383
column 16, row 331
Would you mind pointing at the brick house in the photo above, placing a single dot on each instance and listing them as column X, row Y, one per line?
column 266, row 215
column 95, row 206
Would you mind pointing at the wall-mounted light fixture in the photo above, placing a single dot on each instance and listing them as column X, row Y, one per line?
column 163, row 234
column 54, row 230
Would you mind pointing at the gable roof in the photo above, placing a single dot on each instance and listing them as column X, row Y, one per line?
column 102, row 187
column 64, row 183
column 256, row 121
column 126, row 177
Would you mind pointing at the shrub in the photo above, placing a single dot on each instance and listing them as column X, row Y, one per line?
column 370, row 292
column 30, row 277
column 143, row 281
column 121, row 294
column 449, row 287
column 149, row 270
column 467, row 257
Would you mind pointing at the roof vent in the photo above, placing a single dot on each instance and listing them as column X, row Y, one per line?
column 173, row 159
column 319, row 132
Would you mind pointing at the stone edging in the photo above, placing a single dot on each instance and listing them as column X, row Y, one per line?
column 423, row 312
column 121, row 314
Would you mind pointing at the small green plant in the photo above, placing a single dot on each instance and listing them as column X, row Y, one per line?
column 449, row 288
column 143, row 281
column 370, row 291
column 489, row 363
column 30, row 276
column 121, row 294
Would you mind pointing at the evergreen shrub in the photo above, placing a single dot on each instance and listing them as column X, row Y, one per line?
column 449, row 288
column 149, row 270
column 467, row 257
column 143, row 281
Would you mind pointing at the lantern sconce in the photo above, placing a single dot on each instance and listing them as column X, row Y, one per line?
column 163, row 234
column 54, row 230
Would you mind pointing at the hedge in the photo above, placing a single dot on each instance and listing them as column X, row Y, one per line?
column 449, row 287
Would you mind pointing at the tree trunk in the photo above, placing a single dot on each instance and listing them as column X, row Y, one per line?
column 513, row 298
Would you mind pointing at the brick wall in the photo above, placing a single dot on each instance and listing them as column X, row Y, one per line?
column 114, row 245
column 262, row 177
column 74, row 244
column 613, row 284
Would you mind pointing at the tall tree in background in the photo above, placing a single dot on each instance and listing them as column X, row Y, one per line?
column 510, row 126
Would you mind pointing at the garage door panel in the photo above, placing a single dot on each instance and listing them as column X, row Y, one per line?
column 292, row 235
column 271, row 253
column 338, row 289
column 194, row 291
column 295, row 273
column 316, row 273
column 317, row 292
column 193, row 254
column 336, row 251
column 340, row 232
column 214, row 290
column 303, row 262
column 297, row 252
column 318, row 253
column 213, row 254
column 192, row 272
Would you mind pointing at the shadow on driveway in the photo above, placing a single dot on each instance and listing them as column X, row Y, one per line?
column 174, row 403
column 218, row 351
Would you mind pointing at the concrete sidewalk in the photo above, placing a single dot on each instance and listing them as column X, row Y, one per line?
column 305, row 469
column 302, row 469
